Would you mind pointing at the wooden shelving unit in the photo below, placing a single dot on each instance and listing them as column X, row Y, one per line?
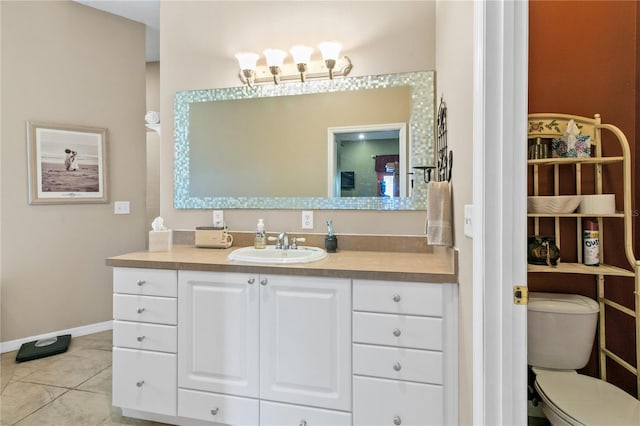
column 542, row 129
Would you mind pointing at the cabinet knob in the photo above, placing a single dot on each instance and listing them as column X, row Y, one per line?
column 397, row 366
column 303, row 423
column 140, row 310
column 140, row 338
column 141, row 282
column 397, row 420
column 251, row 280
column 140, row 383
column 214, row 411
column 264, row 281
column 397, row 332
column 396, row 297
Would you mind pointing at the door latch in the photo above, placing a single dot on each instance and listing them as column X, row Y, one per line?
column 521, row 295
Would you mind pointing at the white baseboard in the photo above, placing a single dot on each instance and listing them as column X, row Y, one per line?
column 14, row 345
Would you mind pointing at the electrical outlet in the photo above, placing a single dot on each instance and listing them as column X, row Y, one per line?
column 307, row 219
column 121, row 207
column 218, row 219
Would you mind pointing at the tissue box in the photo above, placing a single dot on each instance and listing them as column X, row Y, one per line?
column 572, row 146
column 160, row 240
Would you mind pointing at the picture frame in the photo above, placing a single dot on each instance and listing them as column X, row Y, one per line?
column 67, row 163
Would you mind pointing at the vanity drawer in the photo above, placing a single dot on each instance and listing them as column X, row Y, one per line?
column 219, row 408
column 144, row 381
column 398, row 297
column 159, row 310
column 276, row 414
column 393, row 402
column 152, row 337
column 149, row 282
column 398, row 330
column 398, row 363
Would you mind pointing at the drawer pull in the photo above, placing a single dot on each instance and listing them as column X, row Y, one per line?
column 251, row 280
column 264, row 281
column 140, row 383
column 397, row 366
column 396, row 297
column 397, row 332
column 141, row 283
column 140, row 310
column 140, row 338
column 214, row 411
column 397, row 420
column 303, row 423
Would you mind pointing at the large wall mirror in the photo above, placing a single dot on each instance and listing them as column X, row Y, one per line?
column 272, row 146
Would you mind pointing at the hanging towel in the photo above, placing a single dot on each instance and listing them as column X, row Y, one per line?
column 439, row 229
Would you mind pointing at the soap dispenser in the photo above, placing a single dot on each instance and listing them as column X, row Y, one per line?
column 330, row 241
column 260, row 240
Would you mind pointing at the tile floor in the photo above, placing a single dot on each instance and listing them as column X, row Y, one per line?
column 69, row 389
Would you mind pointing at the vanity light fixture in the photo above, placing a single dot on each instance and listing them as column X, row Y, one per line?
column 302, row 68
column 248, row 61
column 275, row 59
column 330, row 51
column 301, row 57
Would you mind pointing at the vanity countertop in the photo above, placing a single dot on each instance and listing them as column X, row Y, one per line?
column 438, row 266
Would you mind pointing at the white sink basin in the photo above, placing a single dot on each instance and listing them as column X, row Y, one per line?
column 270, row 254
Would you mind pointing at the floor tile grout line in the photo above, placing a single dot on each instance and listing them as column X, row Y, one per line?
column 41, row 407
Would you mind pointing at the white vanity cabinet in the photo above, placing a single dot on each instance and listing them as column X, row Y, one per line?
column 245, row 348
column 404, row 353
column 247, row 339
column 145, row 340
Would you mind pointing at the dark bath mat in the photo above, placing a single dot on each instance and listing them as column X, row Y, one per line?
column 43, row 347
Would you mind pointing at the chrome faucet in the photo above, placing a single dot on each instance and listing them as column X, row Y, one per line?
column 283, row 241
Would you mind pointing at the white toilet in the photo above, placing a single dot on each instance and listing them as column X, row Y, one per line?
column 561, row 331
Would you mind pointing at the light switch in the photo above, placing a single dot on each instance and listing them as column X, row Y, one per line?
column 468, row 220
column 121, row 207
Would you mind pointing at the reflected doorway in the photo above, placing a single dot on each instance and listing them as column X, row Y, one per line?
column 367, row 161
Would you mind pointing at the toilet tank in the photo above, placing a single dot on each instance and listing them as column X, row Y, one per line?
column 561, row 329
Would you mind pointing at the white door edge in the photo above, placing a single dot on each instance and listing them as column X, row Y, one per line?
column 499, row 191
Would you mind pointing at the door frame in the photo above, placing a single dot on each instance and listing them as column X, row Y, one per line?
column 333, row 183
column 499, row 217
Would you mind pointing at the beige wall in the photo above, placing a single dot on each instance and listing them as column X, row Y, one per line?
column 198, row 43
column 66, row 63
column 153, row 144
column 454, row 62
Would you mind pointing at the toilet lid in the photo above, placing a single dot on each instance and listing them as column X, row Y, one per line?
column 588, row 400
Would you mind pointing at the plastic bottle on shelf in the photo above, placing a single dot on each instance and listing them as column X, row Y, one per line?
column 591, row 243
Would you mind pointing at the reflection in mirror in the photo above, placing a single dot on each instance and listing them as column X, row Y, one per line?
column 266, row 146
column 375, row 154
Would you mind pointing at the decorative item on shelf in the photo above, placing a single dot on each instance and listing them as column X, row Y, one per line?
column 542, row 250
column 152, row 121
column 572, row 143
column 213, row 237
column 444, row 161
column 302, row 68
column 330, row 241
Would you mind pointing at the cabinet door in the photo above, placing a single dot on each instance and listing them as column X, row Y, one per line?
column 218, row 332
column 305, row 341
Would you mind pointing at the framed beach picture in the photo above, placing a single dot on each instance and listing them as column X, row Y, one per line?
column 67, row 164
